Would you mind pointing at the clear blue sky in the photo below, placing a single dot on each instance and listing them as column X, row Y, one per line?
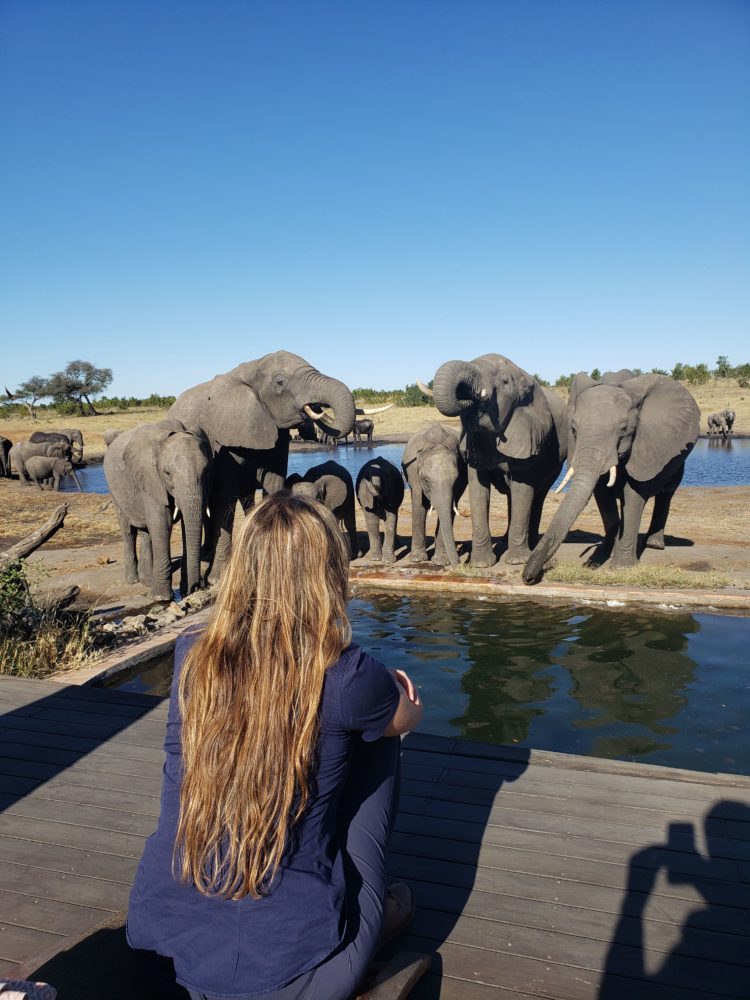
column 379, row 186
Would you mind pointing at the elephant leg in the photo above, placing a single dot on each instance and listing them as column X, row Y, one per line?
column 418, row 524
column 372, row 521
column 626, row 545
column 662, row 503
column 56, row 484
column 159, row 532
column 128, row 548
column 350, row 526
column 522, row 499
column 221, row 523
column 479, row 498
column 145, row 558
column 535, row 517
column 389, row 539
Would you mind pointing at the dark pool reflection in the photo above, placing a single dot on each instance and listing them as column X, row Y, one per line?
column 655, row 687
column 647, row 686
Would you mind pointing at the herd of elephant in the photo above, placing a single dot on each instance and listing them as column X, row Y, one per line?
column 721, row 423
column 46, row 458
column 625, row 437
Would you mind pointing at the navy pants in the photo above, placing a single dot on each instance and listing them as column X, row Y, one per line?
column 367, row 811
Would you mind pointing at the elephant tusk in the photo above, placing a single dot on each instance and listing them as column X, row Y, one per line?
column 310, row 412
column 368, row 411
column 455, row 509
column 566, row 480
column 176, row 514
column 430, row 510
column 612, row 476
column 483, row 394
column 425, row 390
column 208, row 512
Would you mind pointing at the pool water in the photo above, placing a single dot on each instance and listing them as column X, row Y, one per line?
column 711, row 463
column 644, row 686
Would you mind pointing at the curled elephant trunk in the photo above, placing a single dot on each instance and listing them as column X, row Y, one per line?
column 458, row 385
column 336, row 396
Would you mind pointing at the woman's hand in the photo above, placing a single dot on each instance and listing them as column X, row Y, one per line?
column 409, row 710
column 402, row 678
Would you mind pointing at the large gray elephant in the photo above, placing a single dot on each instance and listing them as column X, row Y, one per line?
column 5, row 445
column 436, row 473
column 513, row 436
column 717, row 424
column 330, row 484
column 628, row 442
column 21, row 452
column 380, row 491
column 729, row 416
column 153, row 470
column 246, row 415
column 72, row 435
column 46, row 471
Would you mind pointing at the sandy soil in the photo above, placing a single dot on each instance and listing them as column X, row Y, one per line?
column 709, row 529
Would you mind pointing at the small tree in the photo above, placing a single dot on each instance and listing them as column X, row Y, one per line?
column 78, row 382
column 540, row 380
column 678, row 372
column 30, row 392
column 723, row 368
column 596, row 374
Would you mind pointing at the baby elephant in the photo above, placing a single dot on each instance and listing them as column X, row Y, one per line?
column 332, row 485
column 717, row 424
column 47, row 471
column 109, row 435
column 436, row 473
column 380, row 491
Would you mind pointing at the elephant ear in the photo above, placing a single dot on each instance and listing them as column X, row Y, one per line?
column 527, row 429
column 141, row 458
column 668, row 424
column 433, row 435
column 234, row 417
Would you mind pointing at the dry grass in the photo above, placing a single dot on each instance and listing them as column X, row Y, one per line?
column 408, row 419
column 721, row 394
column 56, row 644
column 643, row 576
column 19, row 428
column 26, row 507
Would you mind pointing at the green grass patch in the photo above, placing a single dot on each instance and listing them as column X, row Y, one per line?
column 647, row 577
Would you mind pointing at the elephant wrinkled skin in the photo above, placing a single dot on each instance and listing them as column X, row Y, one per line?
column 436, row 473
column 46, row 471
column 380, row 491
column 330, row 484
column 21, row 452
column 628, row 442
column 153, row 469
column 513, row 436
column 246, row 415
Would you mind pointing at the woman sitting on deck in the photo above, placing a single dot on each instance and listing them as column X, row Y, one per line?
column 266, row 874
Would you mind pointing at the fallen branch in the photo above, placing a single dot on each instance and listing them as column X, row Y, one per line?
column 27, row 545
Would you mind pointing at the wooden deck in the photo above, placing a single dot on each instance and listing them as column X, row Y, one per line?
column 537, row 875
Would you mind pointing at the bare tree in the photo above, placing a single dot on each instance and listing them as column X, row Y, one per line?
column 29, row 393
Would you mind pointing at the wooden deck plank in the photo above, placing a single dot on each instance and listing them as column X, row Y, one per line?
column 527, row 865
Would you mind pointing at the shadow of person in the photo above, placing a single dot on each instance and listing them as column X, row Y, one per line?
column 100, row 964
column 712, row 951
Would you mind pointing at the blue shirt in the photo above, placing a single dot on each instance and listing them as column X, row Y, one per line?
column 234, row 948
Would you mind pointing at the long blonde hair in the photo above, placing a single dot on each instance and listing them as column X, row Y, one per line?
column 249, row 696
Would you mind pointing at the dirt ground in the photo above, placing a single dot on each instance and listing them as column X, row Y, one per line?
column 709, row 529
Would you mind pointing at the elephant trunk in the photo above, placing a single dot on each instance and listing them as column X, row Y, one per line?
column 458, row 385
column 588, row 468
column 76, row 480
column 443, row 504
column 335, row 395
column 191, row 508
